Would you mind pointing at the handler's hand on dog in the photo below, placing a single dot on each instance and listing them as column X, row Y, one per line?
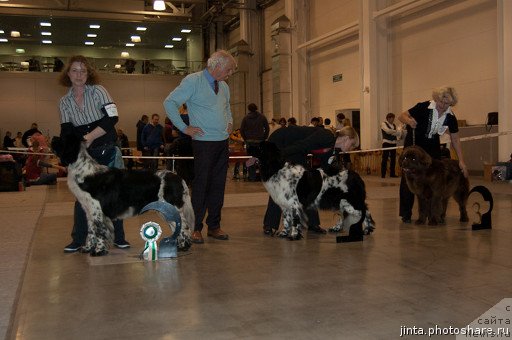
column 192, row 131
column 413, row 123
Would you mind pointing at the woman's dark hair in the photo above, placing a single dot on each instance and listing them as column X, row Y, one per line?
column 252, row 107
column 92, row 76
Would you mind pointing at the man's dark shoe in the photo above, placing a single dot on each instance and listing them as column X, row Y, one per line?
column 218, row 234
column 317, row 229
column 122, row 244
column 197, row 237
column 73, row 247
column 406, row 220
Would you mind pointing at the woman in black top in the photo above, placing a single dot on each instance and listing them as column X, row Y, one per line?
column 426, row 121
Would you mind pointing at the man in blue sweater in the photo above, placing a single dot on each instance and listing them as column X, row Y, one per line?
column 207, row 97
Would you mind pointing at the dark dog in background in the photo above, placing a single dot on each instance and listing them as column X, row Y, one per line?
column 434, row 182
column 296, row 189
column 107, row 194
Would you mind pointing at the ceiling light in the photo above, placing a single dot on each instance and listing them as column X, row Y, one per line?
column 91, row 35
column 45, row 24
column 3, row 40
column 135, row 38
column 125, row 54
column 140, row 28
column 169, row 46
column 2, row 32
column 129, row 45
column 89, row 43
column 20, row 50
column 15, row 34
column 176, row 39
column 46, row 41
column 94, row 26
column 46, row 33
column 186, row 30
column 159, row 5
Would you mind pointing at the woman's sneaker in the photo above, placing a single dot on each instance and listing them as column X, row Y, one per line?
column 72, row 247
column 122, row 244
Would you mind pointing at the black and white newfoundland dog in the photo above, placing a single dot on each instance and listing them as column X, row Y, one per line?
column 107, row 194
column 296, row 189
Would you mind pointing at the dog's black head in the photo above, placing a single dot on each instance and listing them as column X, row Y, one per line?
column 414, row 160
column 67, row 148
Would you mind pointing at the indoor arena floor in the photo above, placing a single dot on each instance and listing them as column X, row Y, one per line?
column 252, row 286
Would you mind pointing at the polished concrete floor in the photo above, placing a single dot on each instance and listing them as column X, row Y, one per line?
column 252, row 286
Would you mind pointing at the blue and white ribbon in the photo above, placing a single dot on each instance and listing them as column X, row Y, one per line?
column 150, row 232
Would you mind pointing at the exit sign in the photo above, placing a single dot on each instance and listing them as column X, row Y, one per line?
column 337, row 77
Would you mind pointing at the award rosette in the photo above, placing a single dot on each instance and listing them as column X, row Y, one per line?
column 150, row 232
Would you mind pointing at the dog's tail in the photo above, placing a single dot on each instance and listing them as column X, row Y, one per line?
column 187, row 210
column 368, row 223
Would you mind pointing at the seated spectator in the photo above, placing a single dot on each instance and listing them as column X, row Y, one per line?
column 8, row 141
column 36, row 162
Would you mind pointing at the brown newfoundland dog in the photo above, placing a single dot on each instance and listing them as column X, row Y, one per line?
column 434, row 182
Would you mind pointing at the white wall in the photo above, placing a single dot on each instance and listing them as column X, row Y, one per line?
column 453, row 43
column 454, row 46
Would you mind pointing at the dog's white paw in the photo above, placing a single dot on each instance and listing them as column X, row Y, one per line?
column 335, row 229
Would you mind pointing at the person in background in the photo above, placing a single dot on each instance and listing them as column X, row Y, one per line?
column 140, row 126
column 314, row 122
column 152, row 141
column 8, row 141
column 36, row 162
column 237, row 145
column 390, row 135
column 282, row 122
column 33, row 129
column 273, row 125
column 169, row 135
column 124, row 145
column 207, row 96
column 87, row 110
column 292, row 121
column 347, row 139
column 58, row 65
column 426, row 122
column 182, row 146
column 340, row 119
column 18, row 140
column 328, row 125
column 254, row 129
